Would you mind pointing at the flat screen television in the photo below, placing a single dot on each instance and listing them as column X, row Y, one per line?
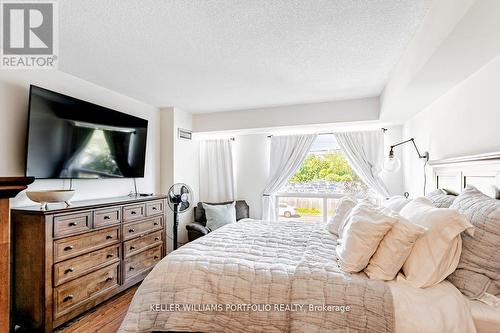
column 71, row 138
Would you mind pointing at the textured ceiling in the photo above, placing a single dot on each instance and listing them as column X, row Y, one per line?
column 205, row 56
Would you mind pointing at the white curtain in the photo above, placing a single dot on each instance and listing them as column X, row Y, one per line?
column 287, row 155
column 216, row 171
column 365, row 154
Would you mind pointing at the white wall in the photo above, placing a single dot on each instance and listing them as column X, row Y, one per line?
column 445, row 86
column 393, row 180
column 179, row 164
column 293, row 115
column 167, row 138
column 251, row 164
column 464, row 121
column 14, row 86
column 186, row 166
column 451, row 43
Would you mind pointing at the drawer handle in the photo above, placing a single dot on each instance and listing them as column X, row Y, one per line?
column 132, row 248
column 131, row 230
column 109, row 256
column 109, row 278
column 156, row 223
column 73, row 224
column 68, row 248
column 154, row 208
column 109, row 237
column 68, row 298
column 131, row 268
column 156, row 257
column 106, row 217
column 157, row 238
column 133, row 212
column 69, row 270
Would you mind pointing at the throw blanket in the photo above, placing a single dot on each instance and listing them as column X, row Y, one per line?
column 259, row 276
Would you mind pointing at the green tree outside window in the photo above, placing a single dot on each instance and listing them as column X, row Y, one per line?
column 330, row 167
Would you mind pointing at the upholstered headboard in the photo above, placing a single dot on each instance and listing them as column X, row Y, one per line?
column 481, row 171
column 242, row 211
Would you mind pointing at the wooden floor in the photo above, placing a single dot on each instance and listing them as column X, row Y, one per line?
column 106, row 318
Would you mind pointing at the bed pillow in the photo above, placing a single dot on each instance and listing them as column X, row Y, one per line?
column 344, row 207
column 219, row 215
column 478, row 271
column 396, row 203
column 361, row 235
column 435, row 255
column 394, row 249
column 441, row 198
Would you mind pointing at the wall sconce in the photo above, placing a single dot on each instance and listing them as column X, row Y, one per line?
column 393, row 164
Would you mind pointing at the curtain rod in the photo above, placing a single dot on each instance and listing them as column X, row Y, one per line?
column 207, row 139
column 330, row 133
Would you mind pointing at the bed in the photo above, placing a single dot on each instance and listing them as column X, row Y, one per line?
column 483, row 172
column 226, row 281
column 260, row 262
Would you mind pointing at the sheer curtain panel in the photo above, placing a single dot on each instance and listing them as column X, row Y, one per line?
column 365, row 153
column 216, row 171
column 287, row 155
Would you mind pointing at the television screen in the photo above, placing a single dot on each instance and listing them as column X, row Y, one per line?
column 71, row 138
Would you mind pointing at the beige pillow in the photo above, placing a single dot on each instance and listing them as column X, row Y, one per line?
column 396, row 203
column 435, row 255
column 361, row 235
column 345, row 205
column 394, row 249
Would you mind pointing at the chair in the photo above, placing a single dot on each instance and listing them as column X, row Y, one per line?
column 199, row 227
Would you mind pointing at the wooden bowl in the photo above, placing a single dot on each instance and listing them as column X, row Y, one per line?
column 51, row 196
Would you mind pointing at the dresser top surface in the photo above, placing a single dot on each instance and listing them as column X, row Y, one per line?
column 86, row 204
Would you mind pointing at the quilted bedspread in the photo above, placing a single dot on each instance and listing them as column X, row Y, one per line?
column 259, row 276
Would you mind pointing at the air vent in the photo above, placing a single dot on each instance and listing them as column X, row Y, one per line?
column 185, row 134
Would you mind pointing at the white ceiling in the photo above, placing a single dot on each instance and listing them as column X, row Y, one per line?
column 206, row 56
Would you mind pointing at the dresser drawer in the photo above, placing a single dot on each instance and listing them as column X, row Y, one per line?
column 76, row 267
column 74, row 293
column 135, row 245
column 72, row 246
column 136, row 229
column 141, row 262
column 133, row 212
column 107, row 217
column 154, row 208
column 69, row 224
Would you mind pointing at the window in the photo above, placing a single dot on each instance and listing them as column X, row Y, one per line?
column 312, row 193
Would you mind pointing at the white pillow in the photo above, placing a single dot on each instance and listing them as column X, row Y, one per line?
column 396, row 203
column 435, row 255
column 219, row 215
column 362, row 233
column 344, row 207
column 394, row 249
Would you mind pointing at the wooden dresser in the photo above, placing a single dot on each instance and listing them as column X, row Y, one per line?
column 68, row 260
